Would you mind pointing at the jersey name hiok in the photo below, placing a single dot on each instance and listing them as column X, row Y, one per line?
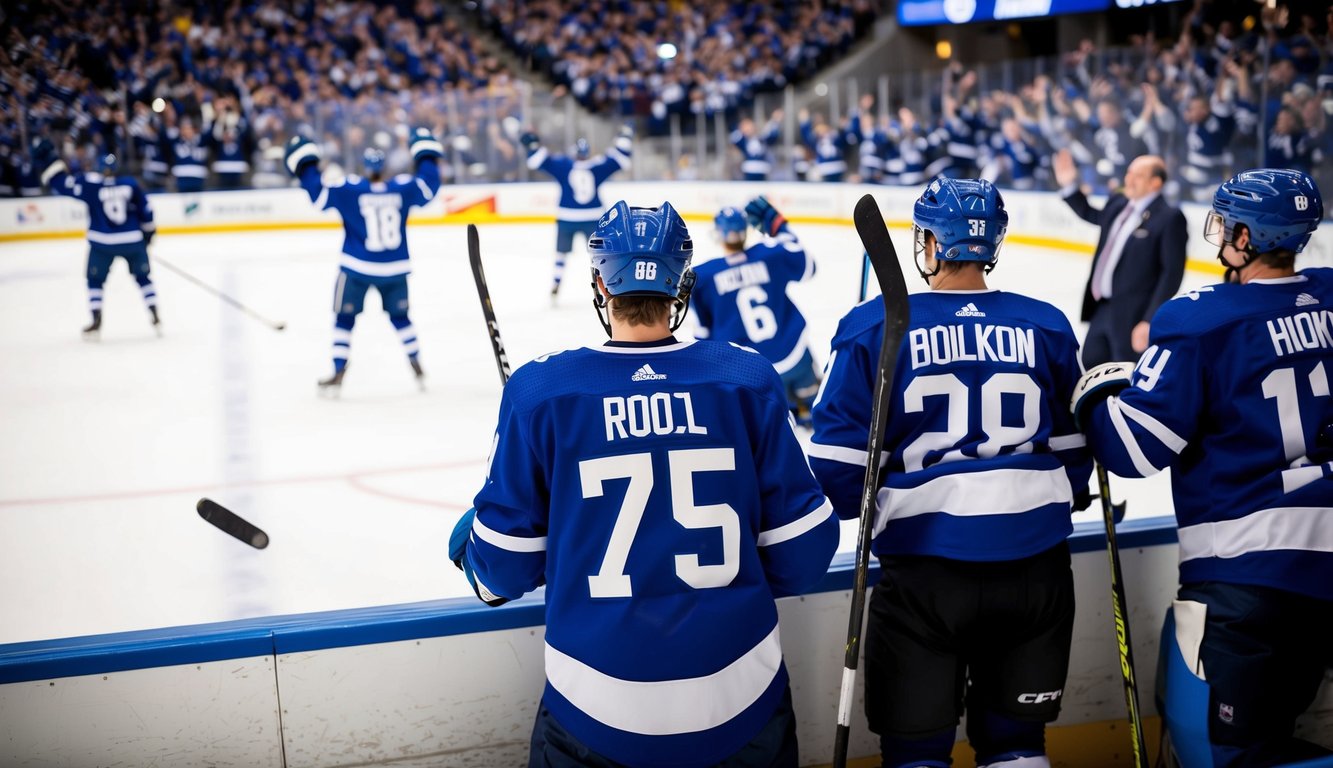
column 1301, row 331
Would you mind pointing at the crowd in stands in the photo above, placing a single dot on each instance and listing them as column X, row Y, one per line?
column 202, row 95
column 205, row 93
column 606, row 52
column 1205, row 101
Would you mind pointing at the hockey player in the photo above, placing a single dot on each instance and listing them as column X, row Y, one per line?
column 120, row 224
column 742, row 297
column 374, row 212
column 1233, row 395
column 580, row 178
column 755, row 146
column 975, row 606
column 657, row 489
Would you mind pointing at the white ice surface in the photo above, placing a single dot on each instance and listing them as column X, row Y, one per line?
column 108, row 445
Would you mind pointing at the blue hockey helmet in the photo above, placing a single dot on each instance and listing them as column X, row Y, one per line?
column 108, row 164
column 641, row 251
column 582, row 149
column 373, row 160
column 966, row 218
column 1279, row 207
column 731, row 225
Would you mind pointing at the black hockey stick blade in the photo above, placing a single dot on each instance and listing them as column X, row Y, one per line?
column 1120, row 606
column 231, row 524
column 487, row 311
column 893, row 291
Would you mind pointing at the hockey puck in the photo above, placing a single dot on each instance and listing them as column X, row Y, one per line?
column 231, row 523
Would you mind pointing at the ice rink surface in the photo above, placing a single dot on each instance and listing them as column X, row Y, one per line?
column 109, row 445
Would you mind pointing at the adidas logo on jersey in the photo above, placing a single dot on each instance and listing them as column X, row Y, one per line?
column 970, row 310
column 646, row 373
column 1305, row 300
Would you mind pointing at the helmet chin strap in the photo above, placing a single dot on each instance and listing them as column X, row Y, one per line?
column 680, row 307
column 1232, row 273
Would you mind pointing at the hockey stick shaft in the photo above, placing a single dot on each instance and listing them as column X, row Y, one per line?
column 487, row 311
column 865, row 278
column 1121, row 609
column 274, row 324
column 893, row 290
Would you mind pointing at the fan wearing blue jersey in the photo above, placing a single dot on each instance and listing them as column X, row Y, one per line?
column 1233, row 395
column 374, row 213
column 658, row 490
column 120, row 225
column 982, row 468
column 742, row 297
column 580, row 178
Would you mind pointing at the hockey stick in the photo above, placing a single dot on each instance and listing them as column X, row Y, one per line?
column 1111, row 513
column 276, row 325
column 893, row 290
column 487, row 311
column 231, row 524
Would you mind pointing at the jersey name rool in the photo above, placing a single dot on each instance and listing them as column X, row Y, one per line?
column 661, row 413
column 1301, row 331
column 944, row 344
column 736, row 278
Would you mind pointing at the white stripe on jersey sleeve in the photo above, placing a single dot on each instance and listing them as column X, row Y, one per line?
column 1155, row 428
column 796, row 527
column 669, row 706
column 844, row 455
column 1067, row 442
column 1126, row 435
column 507, row 542
column 425, row 190
column 797, row 352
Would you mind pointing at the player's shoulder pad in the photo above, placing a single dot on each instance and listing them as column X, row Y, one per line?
column 543, row 376
column 403, row 179
column 1196, row 311
column 742, row 364
column 866, row 317
column 1040, row 313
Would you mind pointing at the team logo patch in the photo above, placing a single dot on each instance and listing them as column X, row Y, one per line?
column 646, row 373
column 1305, row 300
column 970, row 310
column 1226, row 713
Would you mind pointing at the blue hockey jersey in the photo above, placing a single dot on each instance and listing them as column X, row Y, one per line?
column 661, row 495
column 374, row 216
column 1233, row 394
column 742, row 297
column 581, row 180
column 118, row 210
column 756, row 155
column 982, row 457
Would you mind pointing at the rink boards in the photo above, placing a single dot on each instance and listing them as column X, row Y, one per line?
column 451, row 682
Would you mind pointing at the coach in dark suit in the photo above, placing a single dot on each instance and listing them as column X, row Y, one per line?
column 1139, row 262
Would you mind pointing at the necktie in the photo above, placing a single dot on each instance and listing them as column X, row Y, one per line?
column 1106, row 259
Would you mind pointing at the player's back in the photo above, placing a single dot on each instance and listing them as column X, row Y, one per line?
column 743, row 298
column 1237, row 380
column 978, row 410
column 374, row 218
column 668, row 470
column 117, row 207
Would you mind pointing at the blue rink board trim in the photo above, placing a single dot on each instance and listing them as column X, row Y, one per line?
column 269, row 635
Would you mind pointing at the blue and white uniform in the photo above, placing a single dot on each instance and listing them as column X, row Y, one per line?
column 658, row 489
column 756, row 152
column 742, row 297
column 120, row 222
column 189, row 161
column 997, row 480
column 580, row 201
column 374, row 252
column 1234, row 373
